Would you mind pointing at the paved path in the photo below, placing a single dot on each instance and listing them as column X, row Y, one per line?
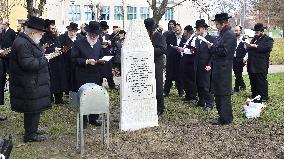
column 272, row 69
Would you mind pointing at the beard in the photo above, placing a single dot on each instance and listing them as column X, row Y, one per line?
column 237, row 34
column 37, row 40
column 91, row 42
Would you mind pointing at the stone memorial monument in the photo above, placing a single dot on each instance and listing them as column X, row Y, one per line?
column 138, row 84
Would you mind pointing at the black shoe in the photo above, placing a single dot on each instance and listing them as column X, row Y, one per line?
column 207, row 109
column 217, row 122
column 200, row 104
column 59, row 102
column 34, row 138
column 185, row 99
column 2, row 118
column 96, row 123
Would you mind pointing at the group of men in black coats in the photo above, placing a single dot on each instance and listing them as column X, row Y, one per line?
column 200, row 64
column 38, row 76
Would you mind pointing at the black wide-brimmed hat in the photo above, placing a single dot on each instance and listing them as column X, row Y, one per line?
column 104, row 25
column 188, row 28
column 36, row 23
column 201, row 23
column 121, row 32
column 93, row 27
column 221, row 16
column 150, row 24
column 73, row 26
column 258, row 27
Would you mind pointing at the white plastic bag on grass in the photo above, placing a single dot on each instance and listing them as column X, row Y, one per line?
column 253, row 109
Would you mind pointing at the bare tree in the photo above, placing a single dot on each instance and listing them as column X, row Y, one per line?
column 6, row 7
column 159, row 10
column 32, row 11
column 272, row 14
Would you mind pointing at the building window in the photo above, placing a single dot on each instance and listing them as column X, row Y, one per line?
column 105, row 13
column 144, row 13
column 118, row 13
column 74, row 13
column 131, row 13
column 169, row 14
column 89, row 13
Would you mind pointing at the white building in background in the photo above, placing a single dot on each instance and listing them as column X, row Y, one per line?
column 83, row 11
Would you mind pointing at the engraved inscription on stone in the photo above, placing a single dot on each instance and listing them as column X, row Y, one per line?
column 138, row 84
column 138, row 76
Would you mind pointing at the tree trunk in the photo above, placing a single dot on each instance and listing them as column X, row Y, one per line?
column 30, row 7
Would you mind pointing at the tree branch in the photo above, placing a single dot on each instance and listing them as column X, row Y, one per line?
column 179, row 3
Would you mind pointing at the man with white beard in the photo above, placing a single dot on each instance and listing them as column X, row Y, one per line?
column 29, row 78
column 84, row 54
column 67, row 40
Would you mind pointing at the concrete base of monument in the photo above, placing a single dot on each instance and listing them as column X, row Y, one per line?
column 138, row 114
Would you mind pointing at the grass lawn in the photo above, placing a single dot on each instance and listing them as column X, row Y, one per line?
column 277, row 54
column 183, row 132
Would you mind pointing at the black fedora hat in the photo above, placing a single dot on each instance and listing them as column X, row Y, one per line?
column 188, row 28
column 201, row 23
column 150, row 24
column 258, row 27
column 93, row 27
column 221, row 16
column 104, row 25
column 73, row 26
column 36, row 23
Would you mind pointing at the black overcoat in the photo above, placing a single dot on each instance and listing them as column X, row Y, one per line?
column 258, row 58
column 29, row 77
column 85, row 73
column 160, row 46
column 222, row 59
column 59, row 82
column 173, row 68
column 66, row 42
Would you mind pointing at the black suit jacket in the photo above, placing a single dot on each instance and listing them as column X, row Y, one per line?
column 240, row 52
column 258, row 58
column 8, row 38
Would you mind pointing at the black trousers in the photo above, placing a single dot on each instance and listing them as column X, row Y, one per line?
column 31, row 122
column 224, row 108
column 238, row 71
column 2, row 80
column 58, row 97
column 169, row 83
column 259, row 85
column 188, row 76
column 107, row 73
column 205, row 97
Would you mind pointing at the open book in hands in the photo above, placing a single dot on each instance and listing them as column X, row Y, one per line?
column 205, row 40
column 104, row 59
